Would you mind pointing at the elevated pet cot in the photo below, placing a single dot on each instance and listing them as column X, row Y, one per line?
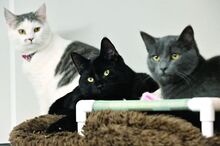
column 124, row 127
column 205, row 105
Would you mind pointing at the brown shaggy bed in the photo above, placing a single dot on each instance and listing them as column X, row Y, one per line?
column 114, row 128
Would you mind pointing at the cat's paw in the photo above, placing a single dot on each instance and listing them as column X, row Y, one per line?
column 64, row 124
column 55, row 127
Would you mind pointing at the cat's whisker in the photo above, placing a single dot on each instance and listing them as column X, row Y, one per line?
column 185, row 78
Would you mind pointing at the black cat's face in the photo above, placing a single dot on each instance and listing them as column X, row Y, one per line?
column 106, row 76
column 172, row 57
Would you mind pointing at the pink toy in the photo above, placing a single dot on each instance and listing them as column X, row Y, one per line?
column 149, row 97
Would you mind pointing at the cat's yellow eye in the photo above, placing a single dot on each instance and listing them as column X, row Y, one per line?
column 175, row 56
column 36, row 29
column 90, row 79
column 106, row 72
column 156, row 58
column 22, row 31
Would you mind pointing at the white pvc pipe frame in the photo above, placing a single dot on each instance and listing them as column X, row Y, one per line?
column 205, row 105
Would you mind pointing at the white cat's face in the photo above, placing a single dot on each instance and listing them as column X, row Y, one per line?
column 29, row 32
column 29, row 36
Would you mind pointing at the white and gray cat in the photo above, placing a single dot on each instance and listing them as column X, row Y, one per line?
column 46, row 56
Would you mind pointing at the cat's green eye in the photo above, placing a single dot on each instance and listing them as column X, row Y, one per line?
column 22, row 31
column 106, row 72
column 156, row 58
column 36, row 29
column 90, row 79
column 175, row 56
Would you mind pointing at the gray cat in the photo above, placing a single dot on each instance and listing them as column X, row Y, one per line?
column 181, row 71
column 179, row 68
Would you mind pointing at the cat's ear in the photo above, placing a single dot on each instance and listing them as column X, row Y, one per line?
column 108, row 50
column 41, row 12
column 187, row 35
column 80, row 62
column 148, row 40
column 11, row 19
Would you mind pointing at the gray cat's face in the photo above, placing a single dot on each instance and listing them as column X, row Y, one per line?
column 171, row 57
column 28, row 32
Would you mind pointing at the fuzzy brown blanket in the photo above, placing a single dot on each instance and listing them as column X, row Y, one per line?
column 114, row 128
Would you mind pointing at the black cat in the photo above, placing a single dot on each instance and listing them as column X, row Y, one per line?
column 105, row 78
column 181, row 71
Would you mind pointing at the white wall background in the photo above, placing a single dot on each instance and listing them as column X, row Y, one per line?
column 120, row 21
column 4, row 78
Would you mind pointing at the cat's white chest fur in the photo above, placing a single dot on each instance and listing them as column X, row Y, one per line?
column 41, row 72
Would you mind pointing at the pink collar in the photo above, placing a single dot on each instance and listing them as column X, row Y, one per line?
column 28, row 57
